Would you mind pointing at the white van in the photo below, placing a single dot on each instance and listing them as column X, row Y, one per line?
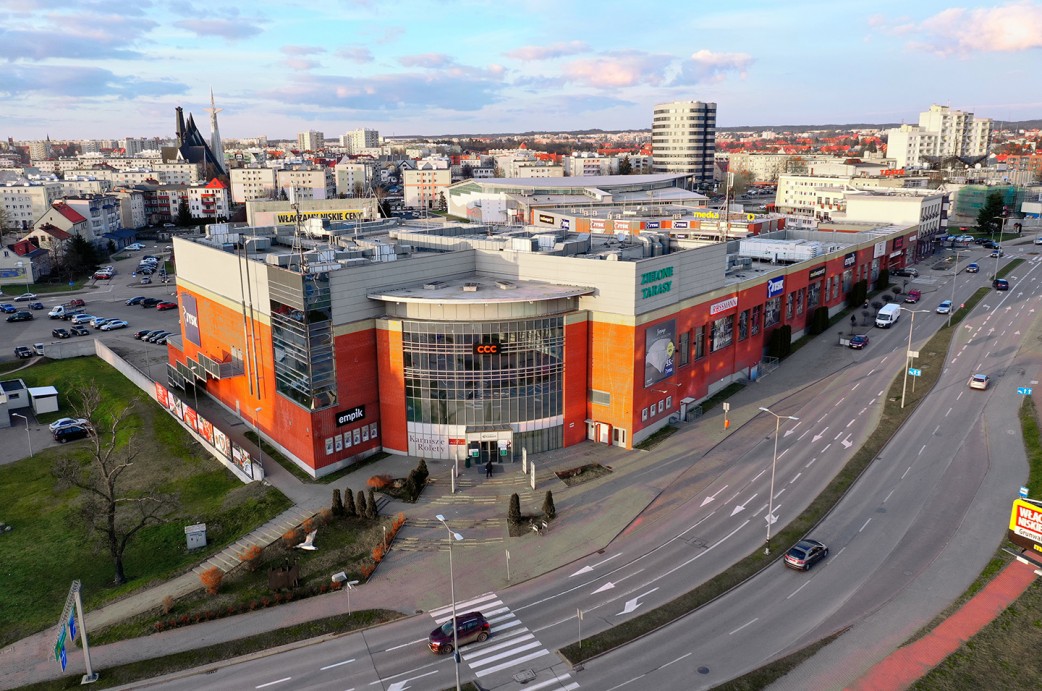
column 888, row 315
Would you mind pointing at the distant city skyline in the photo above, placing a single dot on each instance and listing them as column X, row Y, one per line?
column 82, row 69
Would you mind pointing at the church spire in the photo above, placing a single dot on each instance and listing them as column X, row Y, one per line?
column 216, row 145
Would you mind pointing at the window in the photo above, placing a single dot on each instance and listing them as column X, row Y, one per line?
column 600, row 397
column 685, row 348
column 661, row 406
column 644, row 414
column 722, row 334
column 788, row 307
column 772, row 312
column 756, row 318
column 743, row 325
column 813, row 295
column 700, row 342
column 799, row 300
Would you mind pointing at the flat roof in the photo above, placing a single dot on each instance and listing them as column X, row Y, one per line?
column 483, row 289
column 41, row 391
column 599, row 181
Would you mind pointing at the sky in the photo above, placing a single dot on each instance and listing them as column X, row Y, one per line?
column 76, row 69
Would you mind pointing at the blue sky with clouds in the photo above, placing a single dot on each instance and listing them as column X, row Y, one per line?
column 100, row 68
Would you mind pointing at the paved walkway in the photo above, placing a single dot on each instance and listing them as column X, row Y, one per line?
column 906, row 665
column 411, row 577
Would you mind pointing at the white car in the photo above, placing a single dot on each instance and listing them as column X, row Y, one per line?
column 81, row 319
column 96, row 321
column 66, row 422
column 1038, row 240
column 979, row 381
column 134, row 247
column 945, row 307
column 114, row 324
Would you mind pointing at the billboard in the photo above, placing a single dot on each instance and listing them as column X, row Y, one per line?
column 659, row 348
column 190, row 318
column 1025, row 525
column 775, row 286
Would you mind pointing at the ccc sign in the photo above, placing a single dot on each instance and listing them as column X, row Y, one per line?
column 486, row 348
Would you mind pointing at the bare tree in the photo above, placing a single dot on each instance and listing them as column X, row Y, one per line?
column 112, row 506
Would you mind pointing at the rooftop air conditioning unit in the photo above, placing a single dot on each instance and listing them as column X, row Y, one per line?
column 470, row 287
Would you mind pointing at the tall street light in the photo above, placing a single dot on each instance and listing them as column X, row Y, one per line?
column 452, row 593
column 256, row 428
column 27, row 436
column 955, row 275
column 908, row 353
column 774, row 464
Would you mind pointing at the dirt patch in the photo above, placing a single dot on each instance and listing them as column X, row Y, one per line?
column 584, row 473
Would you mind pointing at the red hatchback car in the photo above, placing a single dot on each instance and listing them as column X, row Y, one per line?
column 470, row 627
column 166, row 306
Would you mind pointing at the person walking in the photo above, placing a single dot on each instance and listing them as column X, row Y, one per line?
column 488, row 468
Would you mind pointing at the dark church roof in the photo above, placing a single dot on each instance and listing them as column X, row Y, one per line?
column 193, row 146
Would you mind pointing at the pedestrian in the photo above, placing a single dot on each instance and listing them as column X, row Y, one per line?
column 488, row 468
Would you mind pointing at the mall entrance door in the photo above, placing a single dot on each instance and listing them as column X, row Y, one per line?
column 490, row 446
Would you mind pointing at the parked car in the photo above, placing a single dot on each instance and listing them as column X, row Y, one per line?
column 7, row 308
column 67, row 422
column 141, row 334
column 858, row 342
column 23, row 351
column 909, row 273
column 1038, row 240
column 80, row 319
column 152, row 338
column 79, row 331
column 114, row 324
column 150, row 302
column 60, row 333
column 913, row 296
column 990, row 244
column 470, row 627
column 25, row 297
column 996, row 254
column 972, row 268
column 71, row 433
column 162, row 338
column 945, row 307
column 136, row 300
column 979, row 381
column 805, row 554
column 1000, row 284
column 97, row 321
column 146, row 279
column 162, row 306
column 20, row 317
column 134, row 247
column 36, row 306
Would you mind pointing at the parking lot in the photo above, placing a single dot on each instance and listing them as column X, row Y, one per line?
column 106, row 298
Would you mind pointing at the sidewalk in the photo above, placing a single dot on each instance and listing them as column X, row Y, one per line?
column 410, row 578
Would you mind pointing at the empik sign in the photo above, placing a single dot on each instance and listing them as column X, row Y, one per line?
column 346, row 417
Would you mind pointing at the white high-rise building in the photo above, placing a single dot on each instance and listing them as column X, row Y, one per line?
column 356, row 141
column 311, row 140
column 941, row 133
column 683, row 138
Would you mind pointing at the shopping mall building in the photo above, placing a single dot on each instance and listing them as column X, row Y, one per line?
column 449, row 341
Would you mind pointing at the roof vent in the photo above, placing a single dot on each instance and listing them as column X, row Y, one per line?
column 434, row 285
column 470, row 287
column 506, row 285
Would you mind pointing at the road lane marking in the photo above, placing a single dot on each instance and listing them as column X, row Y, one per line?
column 866, row 524
column 748, row 623
column 850, row 423
column 948, row 413
column 822, row 418
column 619, row 686
column 336, row 664
column 905, row 472
column 406, row 645
column 811, row 462
column 826, row 447
column 856, row 385
column 800, row 438
column 272, row 683
column 797, row 589
column 922, row 449
column 795, row 478
column 888, row 494
column 671, row 661
column 838, row 436
column 960, row 395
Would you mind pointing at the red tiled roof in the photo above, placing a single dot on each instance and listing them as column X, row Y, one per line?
column 56, row 232
column 216, row 184
column 69, row 213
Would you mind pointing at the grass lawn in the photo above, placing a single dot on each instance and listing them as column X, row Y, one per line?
column 49, row 547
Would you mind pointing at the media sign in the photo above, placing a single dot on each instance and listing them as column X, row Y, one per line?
column 190, row 318
column 723, row 306
column 775, row 286
column 651, row 225
column 659, row 348
column 346, row 417
column 543, row 218
column 816, row 272
column 849, row 259
column 486, row 349
column 680, row 224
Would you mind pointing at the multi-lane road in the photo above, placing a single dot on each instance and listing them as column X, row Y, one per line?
column 942, row 483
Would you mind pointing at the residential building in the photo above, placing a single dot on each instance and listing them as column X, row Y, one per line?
column 100, row 210
column 131, row 207
column 26, row 200
column 209, row 202
column 941, row 133
column 353, row 178
column 253, row 182
column 425, row 187
column 306, row 182
column 683, row 138
column 585, row 164
column 22, row 264
column 311, row 140
column 40, row 150
column 357, row 141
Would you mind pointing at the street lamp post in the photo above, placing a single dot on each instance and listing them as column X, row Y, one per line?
column 774, row 464
column 28, row 438
column 452, row 593
column 998, row 249
column 955, row 275
column 908, row 353
column 256, row 429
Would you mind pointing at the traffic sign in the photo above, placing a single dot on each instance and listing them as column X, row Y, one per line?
column 915, row 372
column 1024, row 390
column 1023, row 492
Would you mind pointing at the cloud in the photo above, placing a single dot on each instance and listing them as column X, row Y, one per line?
column 302, row 50
column 45, row 44
column 390, row 35
column 957, row 31
column 301, row 64
column 706, row 66
column 626, row 68
column 82, row 82
column 359, row 54
column 427, row 60
column 554, row 50
column 231, row 29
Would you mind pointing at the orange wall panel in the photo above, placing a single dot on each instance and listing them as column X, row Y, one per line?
column 576, row 357
column 392, row 390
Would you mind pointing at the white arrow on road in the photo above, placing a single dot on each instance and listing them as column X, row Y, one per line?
column 607, row 586
column 820, row 435
column 712, row 497
column 633, row 604
column 741, row 507
column 771, row 518
column 847, row 443
column 792, row 429
column 588, row 569
column 404, row 684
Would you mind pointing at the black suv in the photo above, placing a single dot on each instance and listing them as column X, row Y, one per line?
column 23, row 351
column 71, row 433
column 150, row 302
column 910, row 273
column 20, row 317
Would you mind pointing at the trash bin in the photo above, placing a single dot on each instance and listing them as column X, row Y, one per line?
column 196, row 536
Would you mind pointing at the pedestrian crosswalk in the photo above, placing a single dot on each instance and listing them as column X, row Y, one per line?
column 510, row 645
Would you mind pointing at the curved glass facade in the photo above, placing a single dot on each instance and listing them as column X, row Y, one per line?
column 487, row 375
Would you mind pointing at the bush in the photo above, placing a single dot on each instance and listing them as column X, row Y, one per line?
column 370, row 507
column 421, row 469
column 883, row 280
column 379, row 481
column 338, row 504
column 292, row 538
column 779, row 343
column 250, row 557
column 168, row 604
column 307, row 526
column 549, row 510
column 378, row 553
column 325, row 516
column 514, row 511
column 211, row 579
column 360, row 505
column 350, row 510
column 819, row 321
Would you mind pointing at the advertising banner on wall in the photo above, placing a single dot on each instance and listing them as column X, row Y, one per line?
column 241, row 458
column 1025, row 525
column 206, row 429
column 191, row 419
column 428, row 445
column 161, row 395
column 222, row 443
column 190, row 317
column 775, row 286
column 659, row 348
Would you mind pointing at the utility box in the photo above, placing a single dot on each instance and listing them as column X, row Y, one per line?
column 196, row 536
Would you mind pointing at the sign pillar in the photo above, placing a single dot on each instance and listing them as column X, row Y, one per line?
column 533, row 475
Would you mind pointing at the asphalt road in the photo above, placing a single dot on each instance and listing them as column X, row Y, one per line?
column 890, row 530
